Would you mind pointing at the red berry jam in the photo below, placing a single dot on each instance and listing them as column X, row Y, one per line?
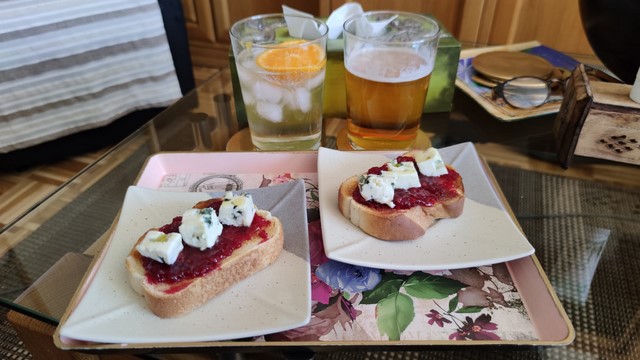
column 193, row 262
column 433, row 189
column 173, row 226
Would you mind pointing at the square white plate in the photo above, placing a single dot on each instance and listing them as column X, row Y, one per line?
column 275, row 299
column 484, row 234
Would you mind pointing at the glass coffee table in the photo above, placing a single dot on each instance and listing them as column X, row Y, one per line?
column 582, row 222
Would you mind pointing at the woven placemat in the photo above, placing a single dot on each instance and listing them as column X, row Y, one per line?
column 11, row 347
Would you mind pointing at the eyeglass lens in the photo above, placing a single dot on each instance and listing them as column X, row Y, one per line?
column 526, row 92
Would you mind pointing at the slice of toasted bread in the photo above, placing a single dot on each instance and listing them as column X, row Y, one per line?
column 393, row 224
column 176, row 299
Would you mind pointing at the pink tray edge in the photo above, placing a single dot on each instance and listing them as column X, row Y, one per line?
column 546, row 313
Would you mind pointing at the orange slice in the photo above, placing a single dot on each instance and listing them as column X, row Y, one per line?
column 292, row 62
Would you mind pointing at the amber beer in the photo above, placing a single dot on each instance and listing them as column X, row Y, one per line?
column 388, row 57
column 386, row 90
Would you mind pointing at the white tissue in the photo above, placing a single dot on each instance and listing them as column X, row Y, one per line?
column 340, row 15
column 308, row 29
column 365, row 28
column 305, row 29
column 300, row 28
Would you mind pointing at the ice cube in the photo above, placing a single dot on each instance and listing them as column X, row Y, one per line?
column 245, row 77
column 269, row 111
column 248, row 97
column 289, row 99
column 315, row 81
column 303, row 99
column 265, row 91
column 247, row 71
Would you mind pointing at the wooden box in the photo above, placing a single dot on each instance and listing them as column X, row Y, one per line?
column 597, row 119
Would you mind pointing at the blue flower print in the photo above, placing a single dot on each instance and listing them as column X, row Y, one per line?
column 349, row 278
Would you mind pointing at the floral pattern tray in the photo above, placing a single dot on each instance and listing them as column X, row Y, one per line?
column 506, row 303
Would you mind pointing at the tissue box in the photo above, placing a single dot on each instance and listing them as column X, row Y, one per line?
column 439, row 97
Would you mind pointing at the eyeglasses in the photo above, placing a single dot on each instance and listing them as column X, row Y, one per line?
column 527, row 92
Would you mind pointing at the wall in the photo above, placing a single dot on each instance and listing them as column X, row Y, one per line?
column 555, row 23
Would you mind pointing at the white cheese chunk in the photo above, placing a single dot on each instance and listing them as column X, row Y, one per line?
column 237, row 210
column 378, row 188
column 200, row 228
column 161, row 247
column 406, row 174
column 430, row 163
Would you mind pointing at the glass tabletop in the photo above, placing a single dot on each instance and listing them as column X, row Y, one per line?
column 583, row 222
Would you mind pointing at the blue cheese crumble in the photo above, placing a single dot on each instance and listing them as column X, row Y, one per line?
column 378, row 188
column 430, row 163
column 405, row 173
column 161, row 247
column 200, row 228
column 237, row 210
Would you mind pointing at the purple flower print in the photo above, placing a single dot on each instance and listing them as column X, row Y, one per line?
column 437, row 318
column 480, row 329
column 349, row 278
column 316, row 247
column 348, row 308
column 320, row 291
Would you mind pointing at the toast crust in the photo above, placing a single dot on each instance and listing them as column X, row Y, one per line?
column 176, row 299
column 394, row 224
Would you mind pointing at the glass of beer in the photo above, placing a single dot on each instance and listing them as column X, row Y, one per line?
column 281, row 63
column 389, row 58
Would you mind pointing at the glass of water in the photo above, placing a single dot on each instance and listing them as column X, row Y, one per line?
column 281, row 63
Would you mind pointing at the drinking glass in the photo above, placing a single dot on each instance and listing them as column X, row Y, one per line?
column 281, row 63
column 389, row 57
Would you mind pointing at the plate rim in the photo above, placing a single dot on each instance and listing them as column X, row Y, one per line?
column 97, row 263
column 490, row 181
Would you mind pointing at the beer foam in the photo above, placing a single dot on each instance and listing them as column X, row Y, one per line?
column 390, row 65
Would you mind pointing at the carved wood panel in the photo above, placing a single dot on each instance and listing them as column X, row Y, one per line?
column 553, row 23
